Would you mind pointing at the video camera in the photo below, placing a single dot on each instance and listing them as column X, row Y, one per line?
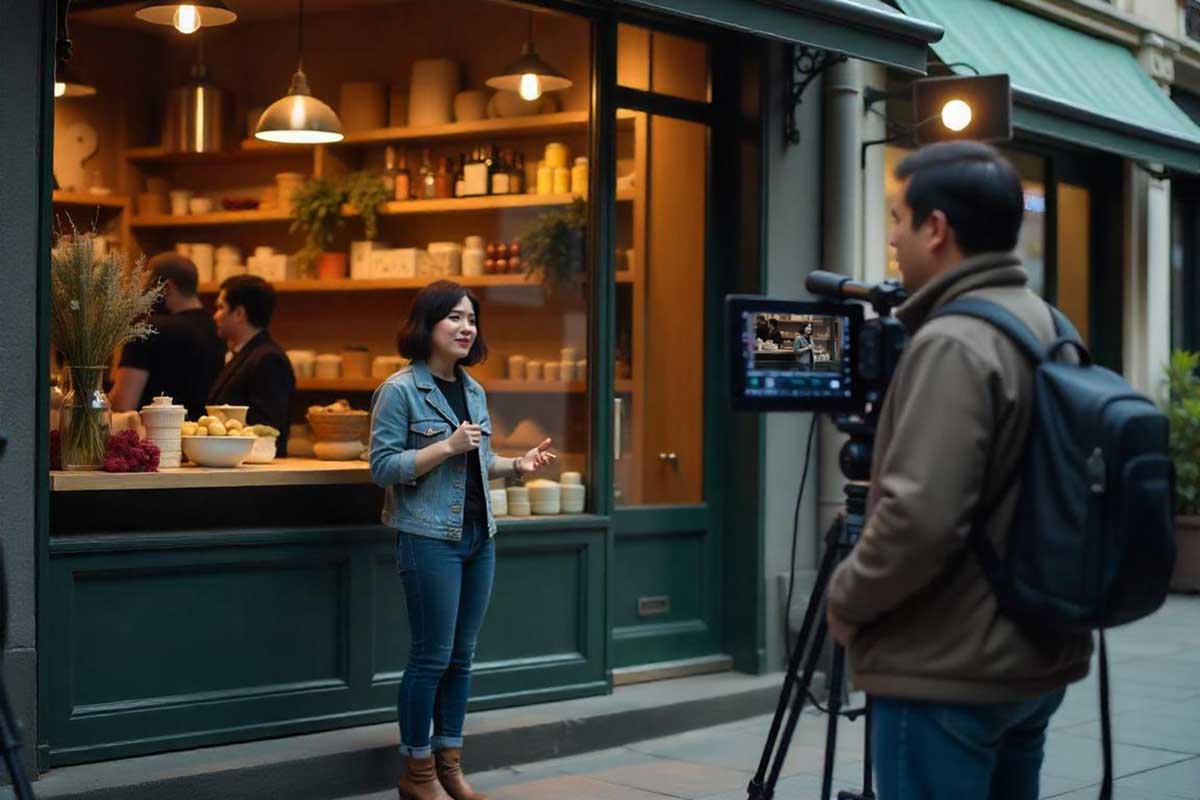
column 800, row 356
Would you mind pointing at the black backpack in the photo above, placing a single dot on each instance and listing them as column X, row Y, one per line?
column 1092, row 544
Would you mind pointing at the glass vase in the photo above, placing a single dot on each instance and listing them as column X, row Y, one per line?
column 85, row 419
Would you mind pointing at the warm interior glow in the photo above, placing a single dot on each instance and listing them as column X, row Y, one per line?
column 60, row 88
column 186, row 19
column 531, row 87
column 956, row 115
column 298, row 137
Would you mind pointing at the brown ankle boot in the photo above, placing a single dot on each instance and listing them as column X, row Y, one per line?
column 419, row 781
column 449, row 770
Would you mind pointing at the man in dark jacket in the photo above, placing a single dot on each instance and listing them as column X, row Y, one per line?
column 258, row 373
column 962, row 694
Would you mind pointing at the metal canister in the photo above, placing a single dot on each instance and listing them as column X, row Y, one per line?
column 195, row 115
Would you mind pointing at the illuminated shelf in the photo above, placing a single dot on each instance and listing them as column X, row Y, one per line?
column 398, row 284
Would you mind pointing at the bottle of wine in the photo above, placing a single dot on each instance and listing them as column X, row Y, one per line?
column 501, row 176
column 476, row 180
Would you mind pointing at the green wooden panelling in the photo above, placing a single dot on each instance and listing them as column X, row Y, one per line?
column 166, row 643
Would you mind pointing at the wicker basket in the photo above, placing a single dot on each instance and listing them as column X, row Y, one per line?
column 335, row 427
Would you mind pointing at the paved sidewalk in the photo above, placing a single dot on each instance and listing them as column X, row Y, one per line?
column 1156, row 723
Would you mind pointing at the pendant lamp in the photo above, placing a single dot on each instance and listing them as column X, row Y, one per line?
column 529, row 75
column 186, row 17
column 299, row 118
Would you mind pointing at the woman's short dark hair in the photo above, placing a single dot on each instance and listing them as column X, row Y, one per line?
column 977, row 189
column 432, row 305
column 252, row 293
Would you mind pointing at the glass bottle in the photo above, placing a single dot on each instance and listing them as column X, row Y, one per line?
column 501, row 177
column 84, row 420
column 444, row 180
column 389, row 169
column 403, row 186
column 516, row 181
column 427, row 181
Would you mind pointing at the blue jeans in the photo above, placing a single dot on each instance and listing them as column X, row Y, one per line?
column 947, row 751
column 447, row 586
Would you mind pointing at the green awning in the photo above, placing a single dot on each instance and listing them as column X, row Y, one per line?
column 1067, row 85
column 866, row 29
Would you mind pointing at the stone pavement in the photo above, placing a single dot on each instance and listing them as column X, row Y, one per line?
column 1156, row 724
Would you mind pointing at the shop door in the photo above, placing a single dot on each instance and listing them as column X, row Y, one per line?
column 665, row 597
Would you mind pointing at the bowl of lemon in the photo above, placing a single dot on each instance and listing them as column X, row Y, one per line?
column 210, row 442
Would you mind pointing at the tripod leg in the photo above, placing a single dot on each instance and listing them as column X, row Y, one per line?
column 12, row 748
column 837, row 675
column 828, row 561
column 868, row 792
column 810, row 667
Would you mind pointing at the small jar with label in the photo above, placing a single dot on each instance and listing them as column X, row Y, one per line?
column 545, row 178
column 579, row 177
column 556, row 155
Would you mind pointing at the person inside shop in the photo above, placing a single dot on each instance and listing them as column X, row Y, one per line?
column 761, row 329
column 185, row 354
column 258, row 373
column 803, row 347
column 773, row 332
column 431, row 451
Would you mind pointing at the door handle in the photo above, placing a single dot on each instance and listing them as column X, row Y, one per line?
column 669, row 458
column 617, row 407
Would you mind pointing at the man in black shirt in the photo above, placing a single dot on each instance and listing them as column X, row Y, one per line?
column 474, row 506
column 183, row 357
column 259, row 374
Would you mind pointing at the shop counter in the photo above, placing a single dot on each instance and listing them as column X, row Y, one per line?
column 281, row 472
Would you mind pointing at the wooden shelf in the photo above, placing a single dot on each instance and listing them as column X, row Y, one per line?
column 281, row 472
column 492, row 386
column 247, row 149
column 398, row 284
column 394, row 208
column 113, row 201
column 559, row 122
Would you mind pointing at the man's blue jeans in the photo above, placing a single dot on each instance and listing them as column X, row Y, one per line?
column 447, row 586
column 947, row 751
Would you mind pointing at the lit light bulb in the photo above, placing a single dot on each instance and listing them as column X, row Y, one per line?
column 60, row 88
column 956, row 115
column 531, row 86
column 186, row 19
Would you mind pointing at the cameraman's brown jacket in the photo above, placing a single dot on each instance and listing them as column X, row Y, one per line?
column 948, row 444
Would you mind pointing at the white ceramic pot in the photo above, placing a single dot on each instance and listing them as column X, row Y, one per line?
column 228, row 412
column 264, row 450
column 217, row 451
column 470, row 106
column 162, row 421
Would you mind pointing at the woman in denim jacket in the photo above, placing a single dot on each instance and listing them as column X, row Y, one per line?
column 431, row 451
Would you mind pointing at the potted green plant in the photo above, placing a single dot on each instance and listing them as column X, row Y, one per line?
column 96, row 305
column 552, row 248
column 1183, row 411
column 317, row 211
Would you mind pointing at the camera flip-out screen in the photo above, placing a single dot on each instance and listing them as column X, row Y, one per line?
column 793, row 355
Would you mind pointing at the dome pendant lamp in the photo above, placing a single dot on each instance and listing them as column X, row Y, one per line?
column 186, row 17
column 529, row 75
column 299, row 118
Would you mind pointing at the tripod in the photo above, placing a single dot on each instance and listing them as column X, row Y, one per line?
column 839, row 541
column 10, row 740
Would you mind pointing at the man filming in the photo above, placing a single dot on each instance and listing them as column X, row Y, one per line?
column 961, row 694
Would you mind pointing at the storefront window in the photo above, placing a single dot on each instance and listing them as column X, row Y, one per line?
column 1074, row 276
column 658, row 62
column 484, row 188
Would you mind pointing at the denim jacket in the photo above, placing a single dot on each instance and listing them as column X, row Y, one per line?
column 409, row 413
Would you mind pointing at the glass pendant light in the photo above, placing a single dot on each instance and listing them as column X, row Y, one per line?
column 529, row 75
column 186, row 17
column 299, row 118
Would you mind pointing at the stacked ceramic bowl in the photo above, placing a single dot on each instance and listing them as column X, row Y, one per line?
column 518, row 501
column 545, row 497
column 499, row 502
column 573, row 493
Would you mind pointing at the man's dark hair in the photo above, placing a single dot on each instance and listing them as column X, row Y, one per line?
column 176, row 268
column 977, row 189
column 774, row 323
column 252, row 293
column 432, row 305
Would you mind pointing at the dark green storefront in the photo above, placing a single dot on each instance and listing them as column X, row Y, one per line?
column 175, row 618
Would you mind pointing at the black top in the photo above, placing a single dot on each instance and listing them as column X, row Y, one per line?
column 475, row 505
column 775, row 336
column 260, row 376
column 183, row 358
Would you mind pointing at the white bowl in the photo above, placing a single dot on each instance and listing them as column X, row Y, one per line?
column 226, row 412
column 217, row 451
column 263, row 451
